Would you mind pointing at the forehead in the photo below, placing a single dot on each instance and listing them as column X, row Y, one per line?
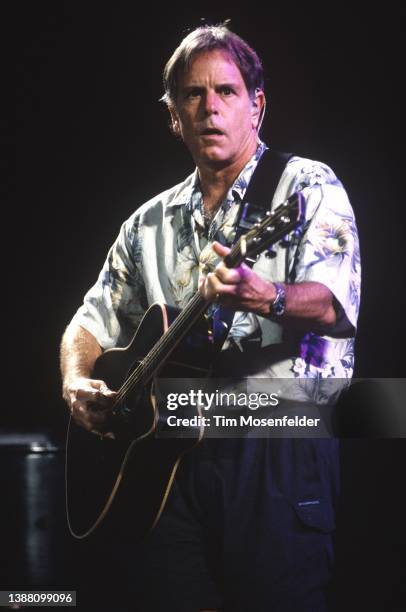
column 216, row 66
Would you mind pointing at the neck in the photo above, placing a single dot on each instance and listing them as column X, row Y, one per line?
column 215, row 181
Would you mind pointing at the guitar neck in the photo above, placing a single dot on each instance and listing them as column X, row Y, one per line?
column 160, row 352
column 174, row 334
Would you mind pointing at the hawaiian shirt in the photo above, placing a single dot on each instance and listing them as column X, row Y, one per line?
column 164, row 246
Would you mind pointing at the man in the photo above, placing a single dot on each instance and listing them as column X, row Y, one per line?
column 248, row 524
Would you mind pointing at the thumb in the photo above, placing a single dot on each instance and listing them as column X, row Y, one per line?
column 101, row 386
column 220, row 250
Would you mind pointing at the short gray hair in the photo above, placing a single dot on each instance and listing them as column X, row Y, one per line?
column 210, row 38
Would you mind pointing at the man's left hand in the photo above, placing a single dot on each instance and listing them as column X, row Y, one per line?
column 238, row 288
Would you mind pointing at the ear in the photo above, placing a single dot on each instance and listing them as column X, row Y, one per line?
column 258, row 109
column 175, row 125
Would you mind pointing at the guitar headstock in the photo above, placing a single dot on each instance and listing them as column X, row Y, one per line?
column 273, row 227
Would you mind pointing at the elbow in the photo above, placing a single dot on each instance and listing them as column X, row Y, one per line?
column 328, row 318
column 328, row 315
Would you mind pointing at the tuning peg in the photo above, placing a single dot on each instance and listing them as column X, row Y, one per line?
column 250, row 261
column 270, row 253
column 285, row 241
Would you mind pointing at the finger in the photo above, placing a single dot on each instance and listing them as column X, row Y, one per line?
column 94, row 412
column 101, row 386
column 228, row 276
column 217, row 285
column 221, row 250
column 242, row 272
column 103, row 434
column 94, row 382
column 215, row 290
column 106, row 400
column 79, row 414
column 90, row 419
column 102, row 395
column 86, row 394
column 211, row 287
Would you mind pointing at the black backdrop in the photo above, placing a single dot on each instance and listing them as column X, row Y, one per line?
column 93, row 143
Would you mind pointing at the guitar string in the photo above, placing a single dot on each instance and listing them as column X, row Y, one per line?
column 142, row 370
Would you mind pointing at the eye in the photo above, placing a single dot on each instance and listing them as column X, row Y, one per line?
column 226, row 90
column 192, row 93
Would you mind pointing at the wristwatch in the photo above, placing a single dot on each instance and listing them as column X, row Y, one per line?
column 279, row 304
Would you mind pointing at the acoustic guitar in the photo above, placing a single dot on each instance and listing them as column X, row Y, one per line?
column 131, row 474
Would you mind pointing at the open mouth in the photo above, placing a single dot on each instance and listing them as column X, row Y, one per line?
column 212, row 132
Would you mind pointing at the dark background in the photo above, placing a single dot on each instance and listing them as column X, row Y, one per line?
column 93, row 144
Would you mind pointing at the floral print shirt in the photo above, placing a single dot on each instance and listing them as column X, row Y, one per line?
column 164, row 246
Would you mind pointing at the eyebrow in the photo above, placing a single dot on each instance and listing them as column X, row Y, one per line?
column 199, row 87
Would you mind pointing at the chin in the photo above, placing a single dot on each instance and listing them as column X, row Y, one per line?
column 215, row 158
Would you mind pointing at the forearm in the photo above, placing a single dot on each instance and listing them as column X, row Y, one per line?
column 310, row 304
column 79, row 351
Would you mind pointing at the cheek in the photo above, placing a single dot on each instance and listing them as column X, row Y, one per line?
column 187, row 135
column 186, row 126
column 243, row 119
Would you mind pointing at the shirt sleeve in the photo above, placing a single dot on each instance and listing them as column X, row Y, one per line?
column 329, row 252
column 114, row 306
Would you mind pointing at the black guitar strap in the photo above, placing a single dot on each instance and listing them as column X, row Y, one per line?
column 261, row 189
column 257, row 200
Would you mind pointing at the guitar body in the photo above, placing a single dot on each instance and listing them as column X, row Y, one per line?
column 132, row 474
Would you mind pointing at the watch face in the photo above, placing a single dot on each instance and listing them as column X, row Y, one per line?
column 278, row 307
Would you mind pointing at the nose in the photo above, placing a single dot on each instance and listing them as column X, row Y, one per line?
column 211, row 103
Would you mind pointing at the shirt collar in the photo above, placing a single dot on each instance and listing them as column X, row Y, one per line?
column 191, row 185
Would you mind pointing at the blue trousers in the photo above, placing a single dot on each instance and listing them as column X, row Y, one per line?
column 248, row 527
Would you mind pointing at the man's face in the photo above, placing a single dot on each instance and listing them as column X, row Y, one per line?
column 214, row 113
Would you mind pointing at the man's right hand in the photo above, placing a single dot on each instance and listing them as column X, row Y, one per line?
column 90, row 402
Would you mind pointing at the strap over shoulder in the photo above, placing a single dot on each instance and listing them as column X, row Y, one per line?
column 261, row 189
column 257, row 199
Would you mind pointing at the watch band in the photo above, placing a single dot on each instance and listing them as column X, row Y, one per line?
column 279, row 304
